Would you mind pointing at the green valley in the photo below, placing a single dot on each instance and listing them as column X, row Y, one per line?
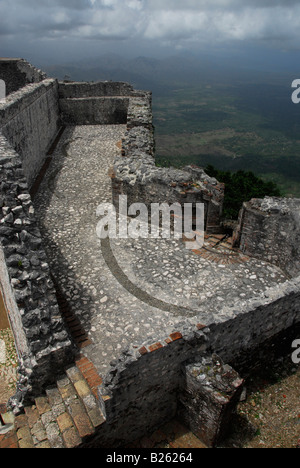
column 233, row 126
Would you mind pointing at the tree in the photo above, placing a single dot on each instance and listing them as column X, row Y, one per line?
column 240, row 187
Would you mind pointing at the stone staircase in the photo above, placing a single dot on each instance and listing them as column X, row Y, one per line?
column 62, row 418
column 69, row 414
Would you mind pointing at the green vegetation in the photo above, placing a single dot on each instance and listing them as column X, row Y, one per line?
column 241, row 186
column 236, row 126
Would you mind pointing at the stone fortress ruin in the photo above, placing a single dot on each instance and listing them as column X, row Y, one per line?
column 168, row 331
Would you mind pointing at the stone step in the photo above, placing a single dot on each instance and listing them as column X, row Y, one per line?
column 62, row 418
column 68, row 413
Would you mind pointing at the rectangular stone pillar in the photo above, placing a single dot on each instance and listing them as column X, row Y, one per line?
column 209, row 397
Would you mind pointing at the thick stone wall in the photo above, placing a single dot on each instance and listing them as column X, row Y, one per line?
column 30, row 120
column 140, row 392
column 42, row 341
column 17, row 73
column 99, row 89
column 240, row 332
column 270, row 229
column 142, row 389
column 101, row 103
column 94, row 111
column 136, row 175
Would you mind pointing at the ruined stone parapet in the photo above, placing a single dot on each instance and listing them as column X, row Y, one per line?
column 100, row 103
column 137, row 140
column 270, row 229
column 136, row 175
column 145, row 381
column 140, row 112
column 30, row 120
column 79, row 90
column 147, row 378
column 17, row 73
column 42, row 342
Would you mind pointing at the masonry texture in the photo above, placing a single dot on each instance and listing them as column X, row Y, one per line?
column 139, row 310
column 270, row 229
column 136, row 175
column 29, row 121
column 18, row 73
column 210, row 392
column 40, row 335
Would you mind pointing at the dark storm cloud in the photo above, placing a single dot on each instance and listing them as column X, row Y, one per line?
column 180, row 22
column 44, row 4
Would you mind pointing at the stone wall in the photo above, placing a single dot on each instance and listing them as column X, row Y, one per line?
column 76, row 90
column 270, row 229
column 42, row 342
column 136, row 175
column 30, row 120
column 142, row 389
column 17, row 73
column 101, row 103
column 94, row 111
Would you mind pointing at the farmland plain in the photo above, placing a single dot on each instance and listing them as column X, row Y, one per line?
column 233, row 126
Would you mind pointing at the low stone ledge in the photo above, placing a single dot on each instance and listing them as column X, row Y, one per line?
column 94, row 110
column 76, row 90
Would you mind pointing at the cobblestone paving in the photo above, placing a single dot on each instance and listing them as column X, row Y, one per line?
column 165, row 282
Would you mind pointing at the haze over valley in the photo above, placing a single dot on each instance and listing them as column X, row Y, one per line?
column 234, row 115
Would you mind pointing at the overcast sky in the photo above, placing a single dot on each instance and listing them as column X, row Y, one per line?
column 62, row 30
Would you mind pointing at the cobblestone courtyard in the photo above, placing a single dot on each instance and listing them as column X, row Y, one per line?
column 128, row 291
